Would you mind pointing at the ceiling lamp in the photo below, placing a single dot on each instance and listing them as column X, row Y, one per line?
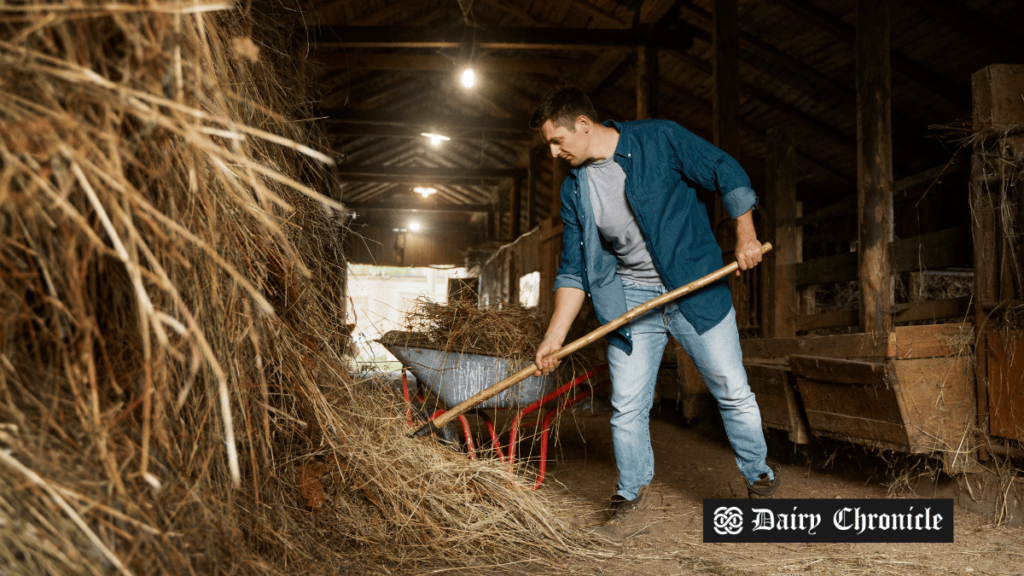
column 414, row 226
column 468, row 78
column 424, row 191
column 435, row 139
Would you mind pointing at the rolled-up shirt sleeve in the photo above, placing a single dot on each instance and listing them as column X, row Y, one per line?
column 739, row 201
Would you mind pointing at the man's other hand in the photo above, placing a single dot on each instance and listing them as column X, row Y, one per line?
column 544, row 364
column 748, row 254
column 748, row 248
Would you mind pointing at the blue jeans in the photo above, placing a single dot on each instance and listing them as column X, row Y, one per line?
column 718, row 358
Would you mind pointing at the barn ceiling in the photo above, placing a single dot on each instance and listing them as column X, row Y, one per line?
column 388, row 70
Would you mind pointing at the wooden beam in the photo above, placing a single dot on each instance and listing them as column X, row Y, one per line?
column 975, row 25
column 947, row 248
column 751, row 45
column 441, row 63
column 874, row 166
column 934, row 82
column 725, row 93
column 416, row 207
column 647, row 82
column 497, row 38
column 779, row 302
column 414, row 131
column 418, row 174
column 439, row 122
column 755, row 132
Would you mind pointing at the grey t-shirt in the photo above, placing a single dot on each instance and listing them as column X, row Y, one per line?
column 617, row 224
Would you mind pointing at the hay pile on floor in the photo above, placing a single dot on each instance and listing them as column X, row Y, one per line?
column 172, row 395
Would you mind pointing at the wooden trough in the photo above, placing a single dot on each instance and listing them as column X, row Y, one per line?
column 911, row 390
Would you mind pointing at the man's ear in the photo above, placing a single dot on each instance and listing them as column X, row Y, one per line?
column 582, row 122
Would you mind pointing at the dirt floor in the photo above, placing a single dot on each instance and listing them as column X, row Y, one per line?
column 694, row 462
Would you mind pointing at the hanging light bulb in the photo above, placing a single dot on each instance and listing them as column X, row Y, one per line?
column 424, row 191
column 414, row 226
column 468, row 78
column 435, row 139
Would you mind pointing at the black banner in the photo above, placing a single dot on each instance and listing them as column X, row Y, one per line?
column 834, row 520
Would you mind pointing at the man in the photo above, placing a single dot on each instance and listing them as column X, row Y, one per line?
column 634, row 229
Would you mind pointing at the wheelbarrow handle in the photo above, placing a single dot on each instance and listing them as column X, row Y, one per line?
column 434, row 425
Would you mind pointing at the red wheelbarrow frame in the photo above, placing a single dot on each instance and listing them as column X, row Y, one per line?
column 517, row 421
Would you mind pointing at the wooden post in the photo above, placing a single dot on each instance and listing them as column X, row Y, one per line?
column 874, row 165
column 997, row 93
column 779, row 302
column 533, row 173
column 515, row 211
column 646, row 82
column 726, row 105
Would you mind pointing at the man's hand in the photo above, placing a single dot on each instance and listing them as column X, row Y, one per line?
column 568, row 302
column 748, row 247
column 549, row 346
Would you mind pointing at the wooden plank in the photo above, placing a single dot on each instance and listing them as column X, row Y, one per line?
column 932, row 340
column 874, row 165
column 779, row 303
column 777, row 399
column 860, row 412
column 835, row 319
column 725, row 85
column 839, row 346
column 1006, row 384
column 435, row 37
column 840, row 371
column 943, row 249
column 938, row 401
column 933, row 309
column 836, row 268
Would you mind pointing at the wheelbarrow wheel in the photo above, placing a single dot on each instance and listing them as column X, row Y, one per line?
column 448, row 434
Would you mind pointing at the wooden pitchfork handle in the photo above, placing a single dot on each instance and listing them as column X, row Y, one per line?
column 434, row 425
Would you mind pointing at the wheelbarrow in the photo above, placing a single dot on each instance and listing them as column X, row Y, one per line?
column 455, row 377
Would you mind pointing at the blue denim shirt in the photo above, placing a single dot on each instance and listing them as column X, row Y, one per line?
column 664, row 163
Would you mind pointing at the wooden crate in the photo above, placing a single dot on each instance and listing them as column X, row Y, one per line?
column 781, row 408
column 919, row 398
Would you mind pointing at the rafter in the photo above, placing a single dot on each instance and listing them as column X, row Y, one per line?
column 418, row 174
column 441, row 63
column 936, row 83
column 496, row 38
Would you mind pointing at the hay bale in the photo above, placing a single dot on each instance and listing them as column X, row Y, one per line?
column 170, row 276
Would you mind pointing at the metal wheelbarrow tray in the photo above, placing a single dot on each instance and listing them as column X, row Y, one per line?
column 455, row 377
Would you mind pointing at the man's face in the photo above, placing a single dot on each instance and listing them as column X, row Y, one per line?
column 565, row 144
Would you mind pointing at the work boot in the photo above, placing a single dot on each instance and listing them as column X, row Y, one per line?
column 630, row 517
column 764, row 488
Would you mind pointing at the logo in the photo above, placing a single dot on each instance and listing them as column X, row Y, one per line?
column 829, row 520
column 728, row 520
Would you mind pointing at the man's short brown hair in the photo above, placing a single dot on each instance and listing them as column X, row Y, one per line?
column 563, row 106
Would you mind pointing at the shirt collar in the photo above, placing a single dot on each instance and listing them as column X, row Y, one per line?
column 623, row 148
